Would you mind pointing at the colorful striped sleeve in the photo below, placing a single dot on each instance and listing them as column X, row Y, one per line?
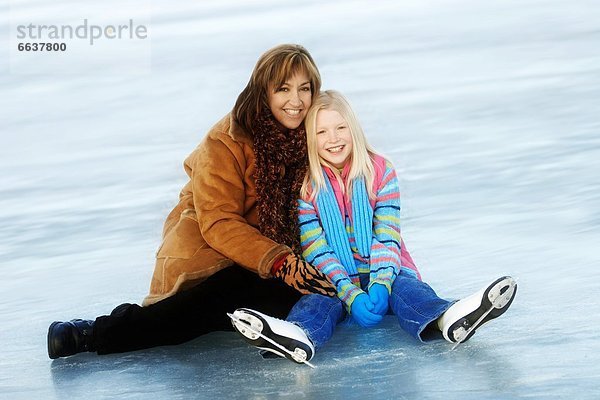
column 317, row 252
column 385, row 261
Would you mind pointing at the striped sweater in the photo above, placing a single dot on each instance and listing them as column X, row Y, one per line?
column 384, row 262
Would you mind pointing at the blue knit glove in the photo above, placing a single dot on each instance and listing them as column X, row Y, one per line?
column 362, row 311
column 379, row 296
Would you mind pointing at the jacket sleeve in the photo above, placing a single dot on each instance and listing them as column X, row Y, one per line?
column 385, row 261
column 219, row 193
column 317, row 252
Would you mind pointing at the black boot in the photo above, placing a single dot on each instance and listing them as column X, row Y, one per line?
column 68, row 338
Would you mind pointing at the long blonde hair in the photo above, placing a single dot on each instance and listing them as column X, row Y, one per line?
column 362, row 153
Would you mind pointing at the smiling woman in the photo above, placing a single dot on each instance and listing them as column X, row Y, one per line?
column 290, row 101
column 232, row 241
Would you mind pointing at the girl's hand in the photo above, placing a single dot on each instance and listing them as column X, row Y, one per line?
column 379, row 296
column 362, row 311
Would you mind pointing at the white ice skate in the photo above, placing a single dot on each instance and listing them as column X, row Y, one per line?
column 271, row 334
column 461, row 320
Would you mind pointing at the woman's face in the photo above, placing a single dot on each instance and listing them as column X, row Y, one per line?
column 289, row 102
column 334, row 140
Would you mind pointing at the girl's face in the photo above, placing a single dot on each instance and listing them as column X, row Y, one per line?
column 289, row 102
column 334, row 140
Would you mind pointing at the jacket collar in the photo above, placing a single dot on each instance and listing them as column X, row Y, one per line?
column 237, row 133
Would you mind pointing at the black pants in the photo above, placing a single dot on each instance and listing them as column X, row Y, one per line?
column 193, row 312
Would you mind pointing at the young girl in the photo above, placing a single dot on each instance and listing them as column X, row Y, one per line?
column 350, row 230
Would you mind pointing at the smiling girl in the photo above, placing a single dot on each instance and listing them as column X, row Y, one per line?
column 349, row 215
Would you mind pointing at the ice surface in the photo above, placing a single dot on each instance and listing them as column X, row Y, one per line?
column 488, row 109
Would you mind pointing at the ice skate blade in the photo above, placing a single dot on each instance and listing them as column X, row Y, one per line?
column 500, row 295
column 247, row 326
column 298, row 355
column 465, row 334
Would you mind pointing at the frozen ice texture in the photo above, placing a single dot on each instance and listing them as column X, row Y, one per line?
column 489, row 110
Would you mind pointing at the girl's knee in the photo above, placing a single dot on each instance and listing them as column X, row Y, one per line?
column 318, row 301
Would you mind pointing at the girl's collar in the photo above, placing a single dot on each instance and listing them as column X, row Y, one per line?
column 343, row 173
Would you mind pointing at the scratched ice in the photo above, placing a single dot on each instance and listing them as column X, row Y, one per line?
column 488, row 109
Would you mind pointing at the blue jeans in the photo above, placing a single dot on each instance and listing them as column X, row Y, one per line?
column 414, row 303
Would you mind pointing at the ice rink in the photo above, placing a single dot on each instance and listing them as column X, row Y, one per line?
column 489, row 110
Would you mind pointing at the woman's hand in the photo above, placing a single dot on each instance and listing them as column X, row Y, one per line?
column 379, row 296
column 362, row 311
column 303, row 277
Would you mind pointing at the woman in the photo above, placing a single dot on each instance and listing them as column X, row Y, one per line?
column 233, row 238
column 233, row 226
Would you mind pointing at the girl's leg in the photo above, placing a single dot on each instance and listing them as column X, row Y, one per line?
column 461, row 320
column 191, row 313
column 417, row 306
column 307, row 328
column 318, row 316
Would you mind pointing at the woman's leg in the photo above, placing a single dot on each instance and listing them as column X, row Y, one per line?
column 318, row 316
column 417, row 306
column 191, row 313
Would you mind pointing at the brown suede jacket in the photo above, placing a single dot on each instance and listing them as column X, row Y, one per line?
column 215, row 223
